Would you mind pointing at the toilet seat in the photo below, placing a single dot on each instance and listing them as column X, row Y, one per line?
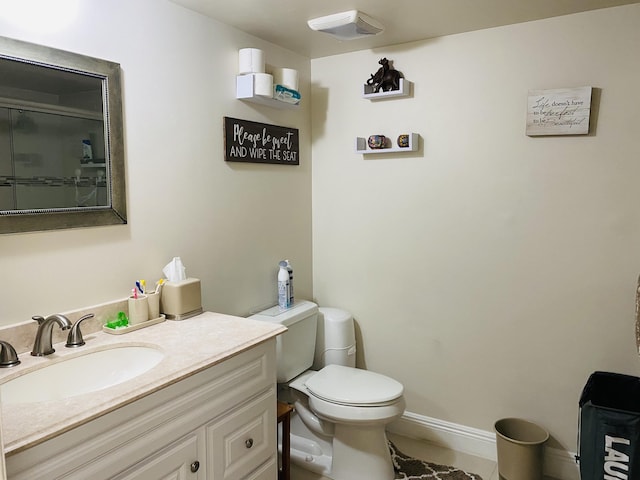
column 357, row 415
column 353, row 387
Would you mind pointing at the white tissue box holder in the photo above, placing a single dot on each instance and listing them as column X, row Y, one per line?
column 181, row 300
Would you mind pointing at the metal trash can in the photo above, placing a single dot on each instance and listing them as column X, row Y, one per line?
column 520, row 447
column 609, row 427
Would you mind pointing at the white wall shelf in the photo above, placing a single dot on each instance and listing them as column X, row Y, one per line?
column 245, row 91
column 93, row 165
column 414, row 142
column 405, row 90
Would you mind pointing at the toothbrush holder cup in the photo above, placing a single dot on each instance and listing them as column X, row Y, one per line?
column 153, row 300
column 138, row 309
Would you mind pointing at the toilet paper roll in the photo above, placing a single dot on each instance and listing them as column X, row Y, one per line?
column 287, row 77
column 250, row 60
column 263, row 84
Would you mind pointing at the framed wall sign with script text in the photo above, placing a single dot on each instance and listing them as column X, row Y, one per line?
column 246, row 141
column 563, row 111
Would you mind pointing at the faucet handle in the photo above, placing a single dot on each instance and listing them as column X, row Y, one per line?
column 8, row 355
column 38, row 319
column 74, row 339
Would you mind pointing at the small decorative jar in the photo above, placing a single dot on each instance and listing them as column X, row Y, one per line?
column 403, row 140
column 377, row 141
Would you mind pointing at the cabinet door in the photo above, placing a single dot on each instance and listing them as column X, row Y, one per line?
column 178, row 461
column 243, row 440
column 268, row 471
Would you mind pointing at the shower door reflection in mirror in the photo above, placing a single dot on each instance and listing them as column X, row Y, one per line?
column 52, row 160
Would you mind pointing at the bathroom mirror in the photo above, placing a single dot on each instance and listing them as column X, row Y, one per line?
column 61, row 140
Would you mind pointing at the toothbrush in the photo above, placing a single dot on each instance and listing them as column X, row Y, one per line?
column 144, row 285
column 139, row 286
column 159, row 284
column 135, row 293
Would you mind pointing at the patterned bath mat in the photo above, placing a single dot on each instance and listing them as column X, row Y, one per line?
column 408, row 468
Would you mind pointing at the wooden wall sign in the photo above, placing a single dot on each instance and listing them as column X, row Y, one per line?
column 563, row 111
column 246, row 141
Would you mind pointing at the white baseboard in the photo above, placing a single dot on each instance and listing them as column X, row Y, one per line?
column 558, row 464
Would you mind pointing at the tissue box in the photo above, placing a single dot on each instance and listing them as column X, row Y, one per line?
column 181, row 300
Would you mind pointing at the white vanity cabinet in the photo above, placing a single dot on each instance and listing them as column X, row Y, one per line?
column 176, row 462
column 217, row 424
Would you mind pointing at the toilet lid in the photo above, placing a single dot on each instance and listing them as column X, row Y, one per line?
column 352, row 386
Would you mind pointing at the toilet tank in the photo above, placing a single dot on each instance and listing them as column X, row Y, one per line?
column 335, row 339
column 295, row 348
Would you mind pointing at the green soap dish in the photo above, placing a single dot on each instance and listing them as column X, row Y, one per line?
column 121, row 322
column 119, row 330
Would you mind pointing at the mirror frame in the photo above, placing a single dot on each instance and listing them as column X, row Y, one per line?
column 109, row 72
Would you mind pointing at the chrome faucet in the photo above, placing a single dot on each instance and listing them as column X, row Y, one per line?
column 42, row 344
column 8, row 355
column 74, row 339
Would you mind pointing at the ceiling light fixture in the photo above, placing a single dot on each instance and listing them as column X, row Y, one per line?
column 347, row 25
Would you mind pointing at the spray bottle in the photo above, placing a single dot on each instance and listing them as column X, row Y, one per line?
column 283, row 286
column 290, row 270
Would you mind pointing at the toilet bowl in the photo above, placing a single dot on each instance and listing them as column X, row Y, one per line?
column 348, row 395
column 358, row 404
column 342, row 410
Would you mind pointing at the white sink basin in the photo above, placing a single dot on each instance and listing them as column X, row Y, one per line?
column 78, row 375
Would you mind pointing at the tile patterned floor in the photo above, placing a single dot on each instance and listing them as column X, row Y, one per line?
column 487, row 469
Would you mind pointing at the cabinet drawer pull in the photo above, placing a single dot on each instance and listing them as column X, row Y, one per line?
column 249, row 443
column 195, row 466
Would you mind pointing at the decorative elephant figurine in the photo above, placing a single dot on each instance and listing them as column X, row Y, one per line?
column 386, row 78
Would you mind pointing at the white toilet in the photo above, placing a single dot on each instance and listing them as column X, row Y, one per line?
column 338, row 429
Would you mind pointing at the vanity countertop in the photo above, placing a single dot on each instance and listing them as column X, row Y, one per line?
column 190, row 346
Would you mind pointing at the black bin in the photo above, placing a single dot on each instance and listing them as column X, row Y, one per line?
column 609, row 430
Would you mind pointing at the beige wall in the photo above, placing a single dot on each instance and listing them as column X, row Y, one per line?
column 231, row 223
column 490, row 272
